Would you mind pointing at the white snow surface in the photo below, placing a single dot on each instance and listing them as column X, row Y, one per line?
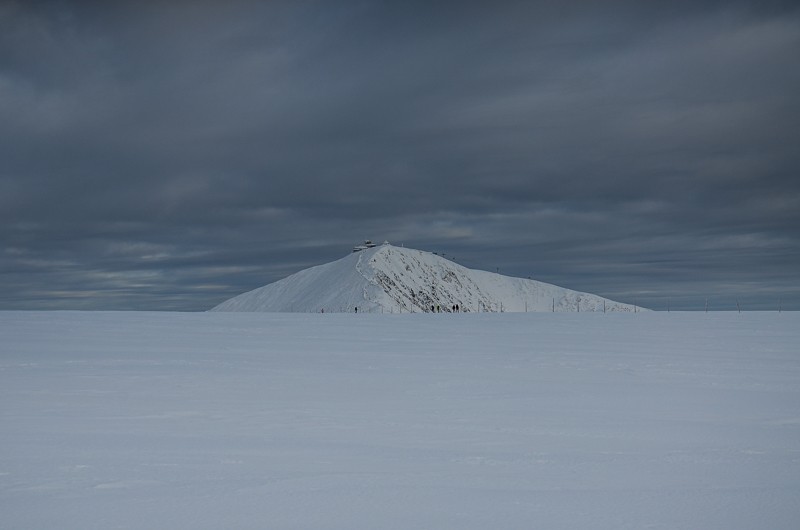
column 342, row 421
column 389, row 279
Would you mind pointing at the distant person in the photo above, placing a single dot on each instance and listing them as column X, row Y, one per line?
column 356, row 309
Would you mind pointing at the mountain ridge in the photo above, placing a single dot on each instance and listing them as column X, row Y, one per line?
column 388, row 279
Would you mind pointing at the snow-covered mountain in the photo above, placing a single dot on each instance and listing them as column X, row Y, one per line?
column 394, row 279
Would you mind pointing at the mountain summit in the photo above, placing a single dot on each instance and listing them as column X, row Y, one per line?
column 393, row 279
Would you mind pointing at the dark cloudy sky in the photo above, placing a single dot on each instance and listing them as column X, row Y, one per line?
column 162, row 156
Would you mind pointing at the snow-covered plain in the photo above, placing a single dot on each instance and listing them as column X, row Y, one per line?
column 268, row 420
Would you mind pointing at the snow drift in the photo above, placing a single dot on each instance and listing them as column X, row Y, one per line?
column 394, row 279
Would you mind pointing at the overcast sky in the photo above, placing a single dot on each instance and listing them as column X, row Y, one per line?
column 168, row 156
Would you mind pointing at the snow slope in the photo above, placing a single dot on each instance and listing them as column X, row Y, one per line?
column 342, row 421
column 393, row 279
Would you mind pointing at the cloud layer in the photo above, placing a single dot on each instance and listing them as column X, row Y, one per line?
column 173, row 155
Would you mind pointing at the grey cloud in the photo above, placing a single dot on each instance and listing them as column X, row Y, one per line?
column 626, row 149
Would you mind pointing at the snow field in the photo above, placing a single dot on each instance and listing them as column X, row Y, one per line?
column 269, row 420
